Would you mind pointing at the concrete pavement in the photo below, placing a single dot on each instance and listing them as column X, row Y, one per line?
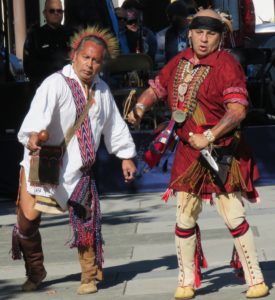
column 140, row 261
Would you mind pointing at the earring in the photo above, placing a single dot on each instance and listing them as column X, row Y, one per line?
column 190, row 43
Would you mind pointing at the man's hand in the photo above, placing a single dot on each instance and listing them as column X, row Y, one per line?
column 128, row 169
column 145, row 101
column 135, row 116
column 33, row 142
column 198, row 141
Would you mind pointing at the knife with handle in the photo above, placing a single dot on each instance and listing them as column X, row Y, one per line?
column 208, row 157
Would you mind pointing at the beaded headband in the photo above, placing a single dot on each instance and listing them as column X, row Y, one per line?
column 103, row 34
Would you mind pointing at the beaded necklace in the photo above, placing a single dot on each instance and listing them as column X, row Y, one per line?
column 186, row 85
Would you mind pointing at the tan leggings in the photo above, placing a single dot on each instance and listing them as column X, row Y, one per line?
column 230, row 207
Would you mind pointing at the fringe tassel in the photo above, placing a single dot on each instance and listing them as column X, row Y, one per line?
column 198, row 275
column 198, row 115
column 15, row 250
column 236, row 264
column 200, row 260
column 192, row 175
column 86, row 227
column 236, row 179
column 167, row 194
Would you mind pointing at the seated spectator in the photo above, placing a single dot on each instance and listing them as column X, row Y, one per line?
column 140, row 38
column 176, row 36
column 121, row 15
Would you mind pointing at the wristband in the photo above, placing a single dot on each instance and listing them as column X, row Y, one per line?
column 209, row 135
column 140, row 106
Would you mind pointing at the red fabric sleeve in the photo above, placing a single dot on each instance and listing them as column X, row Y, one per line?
column 234, row 83
column 160, row 83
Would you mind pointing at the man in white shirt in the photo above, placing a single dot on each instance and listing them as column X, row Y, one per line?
column 58, row 102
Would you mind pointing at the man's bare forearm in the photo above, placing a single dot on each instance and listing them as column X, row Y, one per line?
column 144, row 102
column 231, row 120
column 147, row 98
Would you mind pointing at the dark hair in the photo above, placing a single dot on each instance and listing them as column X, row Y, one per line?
column 128, row 4
column 191, row 6
column 176, row 8
column 182, row 8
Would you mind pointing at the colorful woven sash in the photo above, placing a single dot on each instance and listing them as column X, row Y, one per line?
column 84, row 206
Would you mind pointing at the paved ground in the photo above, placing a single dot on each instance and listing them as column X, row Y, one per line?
column 140, row 261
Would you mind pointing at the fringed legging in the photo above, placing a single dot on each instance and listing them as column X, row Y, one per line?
column 231, row 209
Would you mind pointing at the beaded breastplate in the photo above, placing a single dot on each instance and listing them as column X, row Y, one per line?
column 186, row 84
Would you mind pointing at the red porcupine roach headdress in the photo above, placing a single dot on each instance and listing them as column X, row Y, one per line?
column 101, row 33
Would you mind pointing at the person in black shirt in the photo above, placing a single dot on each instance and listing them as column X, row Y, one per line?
column 46, row 49
column 140, row 38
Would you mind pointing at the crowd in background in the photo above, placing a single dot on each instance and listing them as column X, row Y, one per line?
column 46, row 47
column 160, row 46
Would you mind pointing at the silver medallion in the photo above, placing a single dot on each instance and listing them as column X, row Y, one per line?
column 179, row 116
column 182, row 89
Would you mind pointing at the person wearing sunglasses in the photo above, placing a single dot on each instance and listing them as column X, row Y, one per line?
column 140, row 38
column 121, row 15
column 46, row 48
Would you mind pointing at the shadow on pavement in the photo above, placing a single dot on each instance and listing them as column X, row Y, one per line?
column 8, row 291
column 121, row 273
column 217, row 280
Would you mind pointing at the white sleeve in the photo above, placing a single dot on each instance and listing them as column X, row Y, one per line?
column 117, row 137
column 41, row 110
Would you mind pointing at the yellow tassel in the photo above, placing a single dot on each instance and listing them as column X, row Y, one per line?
column 192, row 175
column 198, row 115
column 236, row 179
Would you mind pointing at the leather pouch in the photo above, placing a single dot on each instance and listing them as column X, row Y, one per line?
column 45, row 165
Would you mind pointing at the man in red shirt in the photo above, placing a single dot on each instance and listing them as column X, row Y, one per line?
column 206, row 92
